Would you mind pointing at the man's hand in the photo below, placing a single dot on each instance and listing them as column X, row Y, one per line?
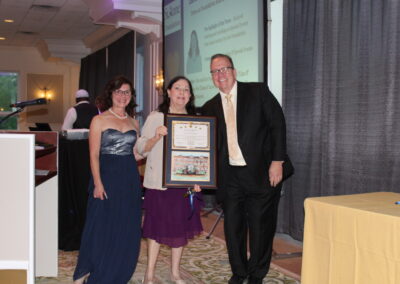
column 275, row 173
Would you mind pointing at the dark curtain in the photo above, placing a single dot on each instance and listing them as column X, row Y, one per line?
column 121, row 57
column 74, row 176
column 84, row 73
column 93, row 73
column 341, row 101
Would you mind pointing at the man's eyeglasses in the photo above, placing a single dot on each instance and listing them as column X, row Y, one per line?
column 122, row 93
column 222, row 70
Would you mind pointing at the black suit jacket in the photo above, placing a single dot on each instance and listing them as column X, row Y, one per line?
column 261, row 132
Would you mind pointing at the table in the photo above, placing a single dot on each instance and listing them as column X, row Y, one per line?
column 352, row 239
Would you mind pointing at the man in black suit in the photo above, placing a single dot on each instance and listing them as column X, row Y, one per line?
column 251, row 150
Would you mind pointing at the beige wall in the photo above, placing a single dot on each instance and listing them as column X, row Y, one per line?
column 52, row 112
column 29, row 61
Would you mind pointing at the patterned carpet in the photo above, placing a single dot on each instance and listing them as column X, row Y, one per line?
column 204, row 262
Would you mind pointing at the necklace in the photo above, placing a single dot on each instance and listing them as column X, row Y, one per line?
column 170, row 110
column 118, row 116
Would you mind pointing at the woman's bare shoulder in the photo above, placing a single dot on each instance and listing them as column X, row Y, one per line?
column 101, row 121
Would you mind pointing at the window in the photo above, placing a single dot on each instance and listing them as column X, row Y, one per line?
column 8, row 95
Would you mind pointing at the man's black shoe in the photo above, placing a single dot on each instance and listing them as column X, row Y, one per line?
column 254, row 280
column 236, row 279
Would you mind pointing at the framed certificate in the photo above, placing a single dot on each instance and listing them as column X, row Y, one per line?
column 189, row 151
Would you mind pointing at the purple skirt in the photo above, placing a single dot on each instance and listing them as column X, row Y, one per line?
column 169, row 218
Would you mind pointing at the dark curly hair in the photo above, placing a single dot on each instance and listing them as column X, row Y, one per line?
column 164, row 106
column 105, row 99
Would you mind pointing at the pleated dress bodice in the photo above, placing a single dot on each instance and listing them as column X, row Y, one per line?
column 115, row 142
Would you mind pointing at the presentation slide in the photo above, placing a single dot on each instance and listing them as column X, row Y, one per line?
column 194, row 30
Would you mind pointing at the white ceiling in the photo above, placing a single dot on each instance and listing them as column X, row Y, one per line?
column 71, row 29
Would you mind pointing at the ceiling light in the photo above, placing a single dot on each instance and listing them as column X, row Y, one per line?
column 9, row 21
column 2, row 38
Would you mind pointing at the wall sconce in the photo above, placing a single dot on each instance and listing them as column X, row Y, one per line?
column 159, row 82
column 46, row 94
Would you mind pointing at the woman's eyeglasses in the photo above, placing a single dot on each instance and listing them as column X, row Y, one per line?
column 122, row 93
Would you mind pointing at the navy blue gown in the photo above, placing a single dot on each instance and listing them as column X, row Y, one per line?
column 111, row 238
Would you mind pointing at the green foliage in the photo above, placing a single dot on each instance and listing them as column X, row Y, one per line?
column 10, row 123
column 8, row 90
column 8, row 95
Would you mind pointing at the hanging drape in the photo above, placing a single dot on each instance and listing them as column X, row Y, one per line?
column 341, row 101
column 93, row 73
column 121, row 57
column 102, row 65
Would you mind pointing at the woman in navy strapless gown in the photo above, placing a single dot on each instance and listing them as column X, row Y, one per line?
column 111, row 238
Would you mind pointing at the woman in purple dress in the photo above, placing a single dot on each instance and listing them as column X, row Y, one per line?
column 167, row 211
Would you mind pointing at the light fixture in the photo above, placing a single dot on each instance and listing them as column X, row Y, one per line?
column 46, row 94
column 159, row 82
column 8, row 20
column 2, row 38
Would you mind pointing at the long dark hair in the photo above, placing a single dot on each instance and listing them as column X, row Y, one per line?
column 105, row 99
column 164, row 106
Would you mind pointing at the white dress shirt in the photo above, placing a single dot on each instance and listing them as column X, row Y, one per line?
column 71, row 116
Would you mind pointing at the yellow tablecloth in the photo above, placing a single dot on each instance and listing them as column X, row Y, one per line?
column 352, row 239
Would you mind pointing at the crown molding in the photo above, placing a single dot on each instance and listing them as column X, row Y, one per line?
column 104, row 36
column 143, row 16
column 60, row 49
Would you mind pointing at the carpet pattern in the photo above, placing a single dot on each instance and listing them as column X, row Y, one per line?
column 203, row 262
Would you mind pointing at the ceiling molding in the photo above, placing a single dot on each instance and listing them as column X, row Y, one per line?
column 59, row 49
column 104, row 36
column 141, row 28
column 43, row 50
column 150, row 6
column 143, row 16
column 155, row 17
